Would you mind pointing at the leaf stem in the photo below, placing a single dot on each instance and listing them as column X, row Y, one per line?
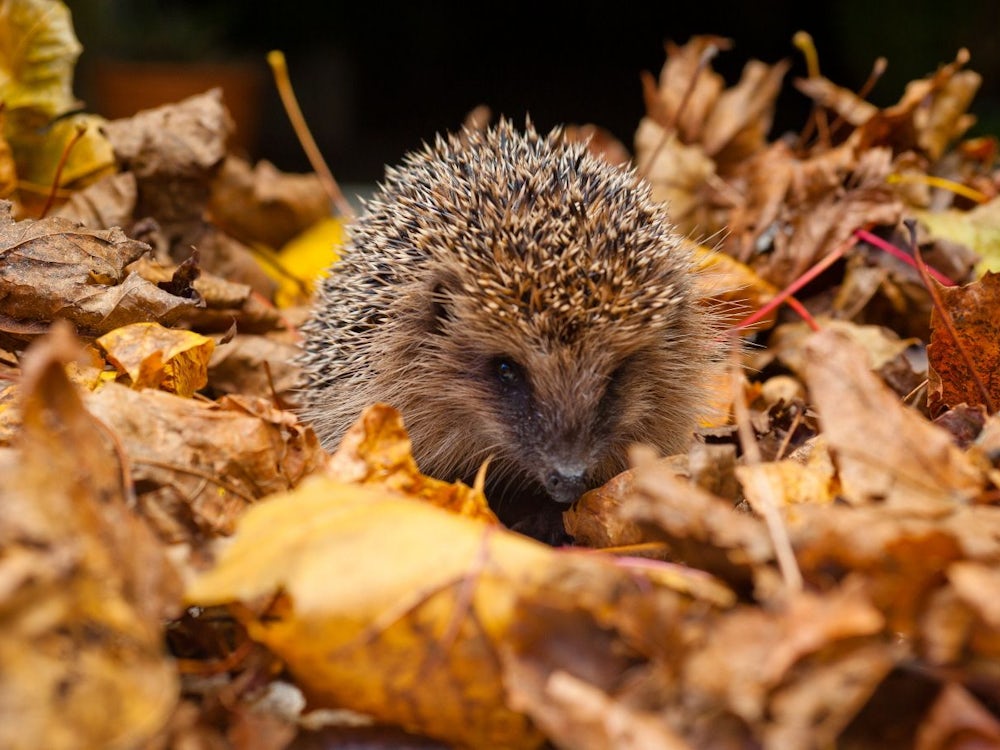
column 279, row 68
column 63, row 158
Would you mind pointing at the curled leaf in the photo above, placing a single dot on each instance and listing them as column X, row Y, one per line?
column 170, row 359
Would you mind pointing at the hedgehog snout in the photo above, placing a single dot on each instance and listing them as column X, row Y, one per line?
column 565, row 482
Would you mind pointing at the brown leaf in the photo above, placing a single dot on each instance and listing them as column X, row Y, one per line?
column 109, row 202
column 751, row 651
column 687, row 89
column 260, row 204
column 676, row 172
column 958, row 721
column 174, row 151
column 200, row 465
column 377, row 450
column 261, row 366
column 412, row 643
column 884, row 451
column 222, row 303
column 848, row 105
column 84, row 584
column 974, row 311
column 576, row 714
column 819, row 221
column 924, row 118
column 900, row 554
column 152, row 356
column 738, row 124
column 53, row 269
column 702, row 530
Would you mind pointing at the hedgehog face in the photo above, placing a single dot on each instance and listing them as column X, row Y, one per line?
column 555, row 413
column 517, row 300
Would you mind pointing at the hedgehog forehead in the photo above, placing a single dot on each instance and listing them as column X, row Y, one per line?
column 544, row 236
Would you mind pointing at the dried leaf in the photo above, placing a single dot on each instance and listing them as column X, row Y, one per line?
column 414, row 649
column 958, row 721
column 53, row 269
column 202, row 464
column 306, row 258
column 152, row 356
column 979, row 229
column 39, row 151
column 259, row 366
column 702, row 530
column 883, row 450
column 974, row 311
column 687, row 88
column 83, row 585
column 675, row 171
column 752, row 651
column 109, row 202
column 174, row 152
column 738, row 124
column 576, row 714
column 260, row 204
column 8, row 169
column 376, row 450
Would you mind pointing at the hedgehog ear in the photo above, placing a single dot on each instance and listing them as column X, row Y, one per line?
column 440, row 307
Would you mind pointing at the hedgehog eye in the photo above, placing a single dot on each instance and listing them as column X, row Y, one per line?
column 508, row 372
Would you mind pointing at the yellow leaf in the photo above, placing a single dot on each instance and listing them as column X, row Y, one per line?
column 38, row 50
column 8, row 170
column 734, row 283
column 305, row 259
column 377, row 451
column 156, row 357
column 38, row 152
column 389, row 606
column 979, row 229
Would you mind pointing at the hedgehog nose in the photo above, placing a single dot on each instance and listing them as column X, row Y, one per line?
column 565, row 484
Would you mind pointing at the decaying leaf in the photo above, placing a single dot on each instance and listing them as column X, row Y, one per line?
column 108, row 202
column 85, row 585
column 884, row 451
column 152, row 356
column 376, row 451
column 256, row 365
column 974, row 313
column 414, row 649
column 200, row 465
column 54, row 269
column 75, row 141
column 174, row 151
column 259, row 204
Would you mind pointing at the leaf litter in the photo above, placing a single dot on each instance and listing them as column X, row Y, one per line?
column 820, row 571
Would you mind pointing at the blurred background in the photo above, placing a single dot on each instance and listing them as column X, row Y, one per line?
column 375, row 82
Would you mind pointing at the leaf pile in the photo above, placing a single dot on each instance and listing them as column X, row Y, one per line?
column 820, row 569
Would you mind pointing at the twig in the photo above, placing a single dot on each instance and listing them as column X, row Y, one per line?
column 276, row 59
column 768, row 508
column 832, row 257
column 894, row 251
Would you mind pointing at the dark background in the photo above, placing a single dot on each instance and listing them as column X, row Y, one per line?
column 375, row 81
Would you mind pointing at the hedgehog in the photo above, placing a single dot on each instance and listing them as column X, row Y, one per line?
column 520, row 301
